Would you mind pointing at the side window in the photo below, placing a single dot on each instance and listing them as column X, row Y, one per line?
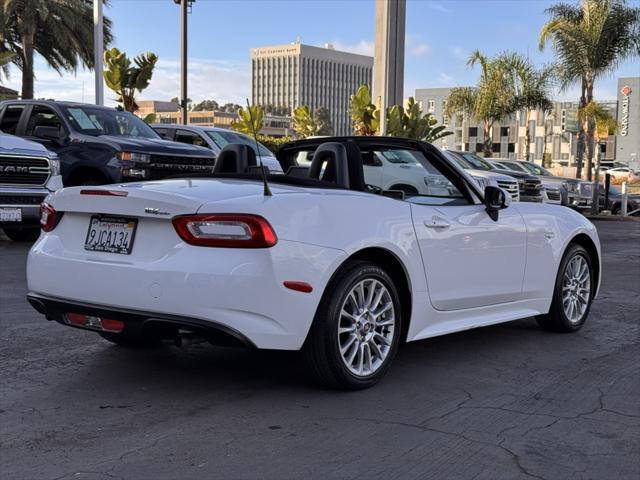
column 162, row 132
column 184, row 136
column 10, row 119
column 412, row 173
column 42, row 117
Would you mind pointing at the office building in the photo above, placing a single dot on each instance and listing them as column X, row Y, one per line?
column 296, row 74
column 552, row 135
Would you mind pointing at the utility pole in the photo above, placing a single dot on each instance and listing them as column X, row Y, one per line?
column 98, row 48
column 388, row 63
column 185, row 6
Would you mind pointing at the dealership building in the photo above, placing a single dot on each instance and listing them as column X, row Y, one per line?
column 628, row 137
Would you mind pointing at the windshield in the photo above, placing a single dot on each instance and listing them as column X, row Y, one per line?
column 103, row 121
column 537, row 169
column 515, row 166
column 475, row 161
column 400, row 156
column 223, row 138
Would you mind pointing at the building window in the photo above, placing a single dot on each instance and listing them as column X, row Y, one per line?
column 473, row 131
column 431, row 106
column 504, row 131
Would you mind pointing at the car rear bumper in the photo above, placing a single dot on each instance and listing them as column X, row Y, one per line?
column 137, row 322
column 241, row 290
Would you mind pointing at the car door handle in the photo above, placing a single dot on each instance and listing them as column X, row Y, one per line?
column 437, row 222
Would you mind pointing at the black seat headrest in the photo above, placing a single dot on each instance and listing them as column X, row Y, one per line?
column 354, row 163
column 298, row 171
column 235, row 158
column 336, row 169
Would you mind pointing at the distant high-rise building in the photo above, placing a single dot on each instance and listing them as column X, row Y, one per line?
column 296, row 74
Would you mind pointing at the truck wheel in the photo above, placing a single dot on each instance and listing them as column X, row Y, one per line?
column 573, row 292
column 357, row 328
column 22, row 234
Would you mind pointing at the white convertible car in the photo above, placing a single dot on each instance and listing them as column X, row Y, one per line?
column 316, row 260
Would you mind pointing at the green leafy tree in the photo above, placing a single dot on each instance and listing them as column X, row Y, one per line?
column 491, row 101
column 126, row 78
column 61, row 31
column 273, row 143
column 250, row 120
column 604, row 124
column 532, row 89
column 230, row 107
column 365, row 116
column 590, row 40
column 410, row 122
column 206, row 105
column 307, row 124
column 5, row 59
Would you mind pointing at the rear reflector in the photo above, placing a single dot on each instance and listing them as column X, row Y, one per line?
column 227, row 230
column 299, row 286
column 107, row 193
column 49, row 218
column 94, row 323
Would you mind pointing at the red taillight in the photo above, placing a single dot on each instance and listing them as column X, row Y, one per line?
column 303, row 287
column 230, row 230
column 49, row 218
column 94, row 323
column 106, row 193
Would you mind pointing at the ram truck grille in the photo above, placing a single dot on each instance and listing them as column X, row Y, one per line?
column 532, row 188
column 163, row 166
column 24, row 170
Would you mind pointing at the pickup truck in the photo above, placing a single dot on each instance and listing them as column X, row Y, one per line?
column 28, row 173
column 99, row 145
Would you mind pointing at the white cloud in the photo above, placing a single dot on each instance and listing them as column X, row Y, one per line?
column 445, row 79
column 363, row 47
column 224, row 81
column 459, row 52
column 439, row 7
column 415, row 46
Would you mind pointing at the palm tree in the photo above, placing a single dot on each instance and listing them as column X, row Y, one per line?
column 532, row 89
column 492, row 100
column 5, row 59
column 604, row 124
column 61, row 31
column 590, row 40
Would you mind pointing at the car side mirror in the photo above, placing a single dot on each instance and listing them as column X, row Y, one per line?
column 47, row 132
column 495, row 199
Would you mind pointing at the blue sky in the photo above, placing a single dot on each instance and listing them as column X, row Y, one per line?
column 440, row 35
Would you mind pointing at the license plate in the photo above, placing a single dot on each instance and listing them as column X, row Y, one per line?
column 10, row 215
column 111, row 234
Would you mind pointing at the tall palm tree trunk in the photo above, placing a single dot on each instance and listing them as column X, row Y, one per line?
column 590, row 131
column 527, row 136
column 487, row 146
column 27, row 64
column 581, row 136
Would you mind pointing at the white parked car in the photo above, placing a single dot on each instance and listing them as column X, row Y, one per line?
column 343, row 270
column 619, row 172
column 215, row 139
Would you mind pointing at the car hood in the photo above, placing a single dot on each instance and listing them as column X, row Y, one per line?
column 153, row 145
column 489, row 174
column 20, row 146
column 520, row 175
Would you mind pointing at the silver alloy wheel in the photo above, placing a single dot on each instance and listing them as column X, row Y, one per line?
column 366, row 327
column 576, row 287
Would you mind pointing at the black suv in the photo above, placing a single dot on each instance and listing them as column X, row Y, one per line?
column 98, row 145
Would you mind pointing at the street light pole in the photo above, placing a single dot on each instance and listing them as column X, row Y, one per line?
column 183, row 62
column 98, row 47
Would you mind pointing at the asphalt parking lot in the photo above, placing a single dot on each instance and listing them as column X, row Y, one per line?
column 503, row 402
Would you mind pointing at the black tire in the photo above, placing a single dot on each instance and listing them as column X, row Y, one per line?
column 129, row 340
column 556, row 320
column 22, row 234
column 322, row 348
column 616, row 210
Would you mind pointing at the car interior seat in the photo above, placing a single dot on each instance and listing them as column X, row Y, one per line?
column 336, row 170
column 355, row 166
column 235, row 158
